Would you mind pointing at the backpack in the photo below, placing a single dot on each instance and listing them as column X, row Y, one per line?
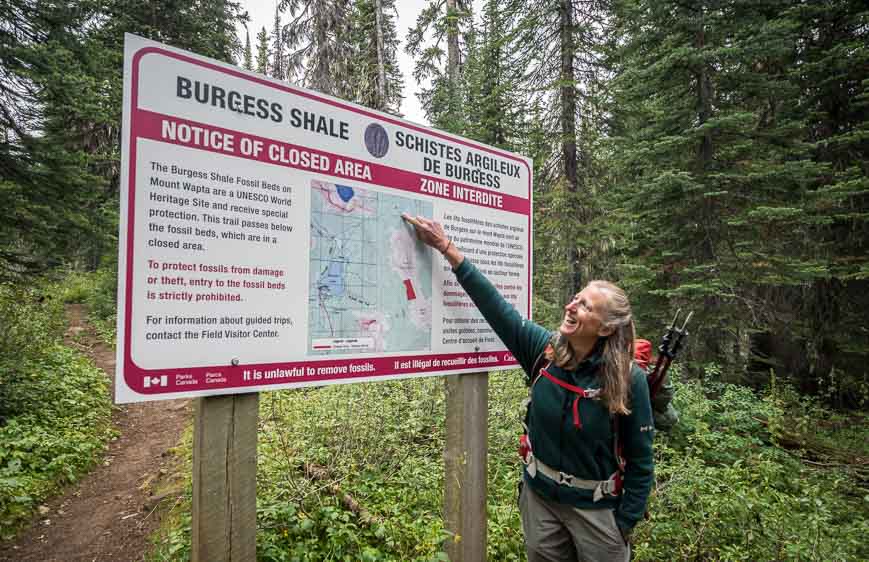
column 661, row 392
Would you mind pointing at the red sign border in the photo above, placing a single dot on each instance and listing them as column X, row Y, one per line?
column 134, row 375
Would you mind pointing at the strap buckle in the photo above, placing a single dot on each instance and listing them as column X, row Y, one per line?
column 565, row 479
column 605, row 488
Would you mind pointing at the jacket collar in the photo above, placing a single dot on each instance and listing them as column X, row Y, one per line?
column 594, row 359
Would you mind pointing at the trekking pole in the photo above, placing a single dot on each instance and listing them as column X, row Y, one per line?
column 670, row 345
column 663, row 352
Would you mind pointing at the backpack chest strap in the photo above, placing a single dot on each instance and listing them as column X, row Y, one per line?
column 592, row 394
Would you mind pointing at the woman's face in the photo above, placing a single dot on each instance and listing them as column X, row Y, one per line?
column 583, row 316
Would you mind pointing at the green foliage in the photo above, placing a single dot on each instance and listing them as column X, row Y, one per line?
column 172, row 539
column 247, row 61
column 54, row 405
column 63, row 425
column 262, row 52
column 317, row 39
column 380, row 444
column 721, row 164
column 726, row 492
column 438, row 25
column 75, row 287
column 726, row 487
column 30, row 321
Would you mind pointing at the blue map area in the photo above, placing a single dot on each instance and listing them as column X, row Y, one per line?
column 333, row 279
column 344, row 192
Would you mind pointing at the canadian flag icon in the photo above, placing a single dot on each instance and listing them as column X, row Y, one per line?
column 156, row 381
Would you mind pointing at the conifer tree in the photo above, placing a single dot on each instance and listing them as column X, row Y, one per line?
column 262, row 51
column 247, row 63
column 691, row 152
column 831, row 227
column 43, row 192
column 561, row 49
column 375, row 74
column 730, row 119
column 318, row 39
column 497, row 99
column 279, row 64
column 441, row 59
column 60, row 106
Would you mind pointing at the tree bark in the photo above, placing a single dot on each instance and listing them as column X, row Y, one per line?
column 381, row 68
column 568, row 132
column 704, row 102
column 452, row 44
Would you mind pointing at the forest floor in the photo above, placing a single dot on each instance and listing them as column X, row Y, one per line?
column 110, row 513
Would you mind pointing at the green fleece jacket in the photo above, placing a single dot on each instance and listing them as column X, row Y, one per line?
column 585, row 452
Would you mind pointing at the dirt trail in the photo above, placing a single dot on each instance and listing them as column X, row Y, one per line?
column 110, row 513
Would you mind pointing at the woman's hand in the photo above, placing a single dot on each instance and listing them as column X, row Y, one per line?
column 432, row 234
column 429, row 231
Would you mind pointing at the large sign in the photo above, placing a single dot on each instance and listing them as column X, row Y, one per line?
column 262, row 245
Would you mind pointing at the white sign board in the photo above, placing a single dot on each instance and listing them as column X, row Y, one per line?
column 261, row 244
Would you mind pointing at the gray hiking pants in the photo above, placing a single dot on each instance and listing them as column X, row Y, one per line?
column 562, row 533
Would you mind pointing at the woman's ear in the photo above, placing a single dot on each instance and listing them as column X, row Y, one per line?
column 605, row 331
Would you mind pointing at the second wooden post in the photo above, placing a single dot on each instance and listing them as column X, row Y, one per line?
column 465, row 456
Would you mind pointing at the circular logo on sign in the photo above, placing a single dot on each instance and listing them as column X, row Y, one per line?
column 376, row 140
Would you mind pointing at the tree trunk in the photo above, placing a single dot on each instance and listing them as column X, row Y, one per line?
column 454, row 67
column 704, row 102
column 709, row 215
column 568, row 133
column 466, row 411
column 452, row 44
column 381, row 68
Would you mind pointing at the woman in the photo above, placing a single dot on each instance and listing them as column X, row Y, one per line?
column 573, row 506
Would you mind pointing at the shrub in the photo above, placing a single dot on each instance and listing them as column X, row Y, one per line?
column 726, row 489
column 62, row 423
column 31, row 321
column 726, row 492
column 54, row 404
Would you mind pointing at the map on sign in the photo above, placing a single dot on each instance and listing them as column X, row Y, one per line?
column 371, row 281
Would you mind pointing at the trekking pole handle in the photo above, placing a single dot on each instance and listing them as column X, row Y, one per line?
column 681, row 334
column 664, row 349
column 685, row 323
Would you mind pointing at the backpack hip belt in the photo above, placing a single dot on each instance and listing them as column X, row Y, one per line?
column 610, row 487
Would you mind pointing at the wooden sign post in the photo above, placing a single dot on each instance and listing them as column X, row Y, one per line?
column 224, row 478
column 465, row 455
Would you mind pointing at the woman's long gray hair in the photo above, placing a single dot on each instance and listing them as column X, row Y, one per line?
column 618, row 349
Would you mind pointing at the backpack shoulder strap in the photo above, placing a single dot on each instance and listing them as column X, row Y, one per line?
column 539, row 364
